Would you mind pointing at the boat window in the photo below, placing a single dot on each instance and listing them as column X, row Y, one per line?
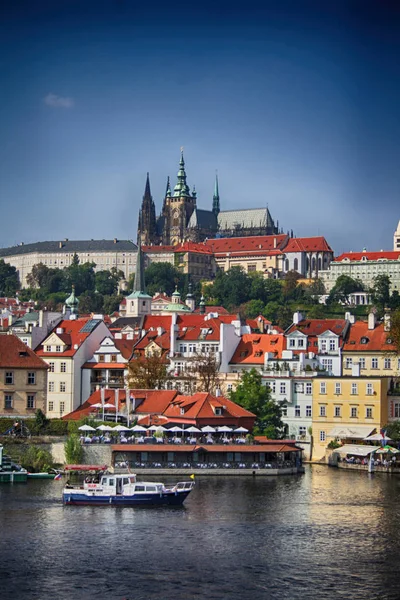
column 125, row 480
column 139, row 488
column 111, row 482
column 151, row 488
column 132, row 479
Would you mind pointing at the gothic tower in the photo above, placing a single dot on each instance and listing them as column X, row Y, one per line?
column 177, row 208
column 147, row 231
column 215, row 206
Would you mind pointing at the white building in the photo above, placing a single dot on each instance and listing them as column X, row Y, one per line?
column 106, row 254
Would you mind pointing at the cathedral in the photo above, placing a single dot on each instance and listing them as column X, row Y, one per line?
column 180, row 219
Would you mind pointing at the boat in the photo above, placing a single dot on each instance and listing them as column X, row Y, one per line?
column 41, row 475
column 107, row 488
column 10, row 472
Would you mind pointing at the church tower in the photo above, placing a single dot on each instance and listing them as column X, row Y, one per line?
column 138, row 303
column 147, row 231
column 396, row 238
column 177, row 208
column 215, row 206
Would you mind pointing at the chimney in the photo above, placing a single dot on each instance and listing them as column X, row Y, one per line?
column 274, row 242
column 40, row 318
column 387, row 321
column 115, row 240
column 371, row 321
column 60, row 244
column 297, row 317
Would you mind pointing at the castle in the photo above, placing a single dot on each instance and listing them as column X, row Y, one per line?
column 180, row 219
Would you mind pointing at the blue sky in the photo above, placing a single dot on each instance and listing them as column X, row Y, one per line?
column 295, row 104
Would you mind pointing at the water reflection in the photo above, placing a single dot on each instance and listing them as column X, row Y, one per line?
column 323, row 535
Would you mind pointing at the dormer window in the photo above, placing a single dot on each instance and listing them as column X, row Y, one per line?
column 218, row 411
column 48, row 349
column 58, row 349
column 101, row 358
column 182, row 411
column 364, row 340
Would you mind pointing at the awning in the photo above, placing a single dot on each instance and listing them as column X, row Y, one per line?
column 356, row 432
column 355, row 450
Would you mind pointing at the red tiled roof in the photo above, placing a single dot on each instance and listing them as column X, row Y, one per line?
column 192, row 247
column 375, row 340
column 72, row 336
column 357, row 256
column 200, row 406
column 16, row 355
column 314, row 327
column 156, row 249
column 162, row 341
column 253, row 347
column 247, row 244
column 217, row 309
column 124, row 346
column 311, row 244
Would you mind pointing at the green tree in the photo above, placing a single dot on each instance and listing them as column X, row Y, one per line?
column 9, row 281
column 41, row 421
column 252, row 309
column 36, row 460
column 381, row 291
column 284, row 316
column 252, row 395
column 343, row 287
column 394, row 333
column 273, row 290
column 73, row 450
column 231, row 288
column 111, row 304
column 81, row 276
column 393, row 431
column 147, row 372
column 271, row 311
column 107, row 281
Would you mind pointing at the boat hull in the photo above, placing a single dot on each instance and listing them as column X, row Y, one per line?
column 165, row 499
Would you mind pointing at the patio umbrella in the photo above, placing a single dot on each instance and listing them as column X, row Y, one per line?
column 241, row 430
column 224, row 428
column 97, row 405
column 108, row 405
column 105, row 428
column 387, row 450
column 153, row 428
column 377, row 437
column 121, row 428
column 208, row 429
column 138, row 428
column 86, row 428
column 176, row 429
column 193, row 429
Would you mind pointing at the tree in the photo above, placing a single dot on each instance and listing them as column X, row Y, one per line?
column 148, row 372
column 252, row 309
column 161, row 277
column 231, row 288
column 290, row 283
column 393, row 431
column 111, row 304
column 202, row 373
column 252, row 395
column 9, row 281
column 394, row 334
column 284, row 317
column 73, row 449
column 342, row 289
column 107, row 281
column 81, row 276
column 381, row 291
column 312, row 291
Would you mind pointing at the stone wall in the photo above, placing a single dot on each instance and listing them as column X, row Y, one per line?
column 98, row 454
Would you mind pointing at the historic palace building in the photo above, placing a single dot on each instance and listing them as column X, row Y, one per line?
column 180, row 219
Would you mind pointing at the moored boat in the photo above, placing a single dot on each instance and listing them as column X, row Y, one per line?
column 124, row 490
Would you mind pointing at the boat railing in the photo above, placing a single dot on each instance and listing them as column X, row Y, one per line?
column 212, row 465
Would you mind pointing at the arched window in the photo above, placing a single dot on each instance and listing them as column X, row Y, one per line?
column 296, row 264
column 319, row 263
column 313, row 263
column 287, row 264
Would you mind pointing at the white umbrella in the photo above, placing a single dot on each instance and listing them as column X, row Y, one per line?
column 224, row 428
column 208, row 429
column 108, row 405
column 86, row 428
column 105, row 428
column 377, row 437
column 176, row 429
column 241, row 430
column 153, row 428
column 97, row 405
column 193, row 429
column 121, row 428
column 138, row 428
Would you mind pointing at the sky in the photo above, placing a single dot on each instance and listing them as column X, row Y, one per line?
column 294, row 103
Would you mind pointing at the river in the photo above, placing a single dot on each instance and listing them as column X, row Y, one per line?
column 326, row 534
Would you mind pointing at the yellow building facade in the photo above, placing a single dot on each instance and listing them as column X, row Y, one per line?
column 347, row 409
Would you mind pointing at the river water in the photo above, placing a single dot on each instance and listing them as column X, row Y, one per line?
column 326, row 534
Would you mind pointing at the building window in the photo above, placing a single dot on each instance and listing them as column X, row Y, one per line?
column 292, row 343
column 48, row 348
column 62, row 408
column 322, row 387
column 63, row 367
column 338, row 388
column 387, row 363
column 113, row 358
column 218, row 411
column 51, row 386
column 354, row 389
column 338, row 411
column 374, row 363
column 102, row 358
column 353, row 412
column 62, row 386
column 309, row 388
column 282, row 388
column 30, row 401
column 332, row 345
column 323, row 345
column 322, row 436
column 327, row 364
column 9, row 378
column 370, row 389
column 58, row 348
column 51, row 406
column 300, row 343
column 349, row 363
column 368, row 412
column 229, row 387
column 32, row 378
column 297, row 411
column 295, row 264
column 362, row 363
column 299, row 388
column 51, row 367
column 322, row 410
column 308, row 411
column 396, row 410
column 272, row 385
column 284, row 411
column 8, row 401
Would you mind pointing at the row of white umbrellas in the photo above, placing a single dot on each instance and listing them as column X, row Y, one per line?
column 175, row 429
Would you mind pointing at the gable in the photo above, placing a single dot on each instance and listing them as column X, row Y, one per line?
column 53, row 340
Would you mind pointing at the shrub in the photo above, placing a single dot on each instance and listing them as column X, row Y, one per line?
column 333, row 445
column 36, row 460
column 73, row 450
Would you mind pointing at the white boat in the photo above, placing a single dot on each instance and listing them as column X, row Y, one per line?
column 124, row 490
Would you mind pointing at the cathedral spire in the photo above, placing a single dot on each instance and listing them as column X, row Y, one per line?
column 181, row 188
column 168, row 190
column 215, row 207
column 139, row 285
column 147, row 217
column 147, row 193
